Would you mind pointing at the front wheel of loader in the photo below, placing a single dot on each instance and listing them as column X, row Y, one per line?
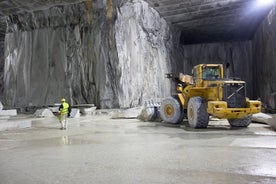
column 171, row 111
column 197, row 113
column 245, row 122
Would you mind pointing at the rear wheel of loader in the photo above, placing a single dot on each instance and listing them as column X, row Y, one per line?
column 240, row 122
column 171, row 110
column 197, row 113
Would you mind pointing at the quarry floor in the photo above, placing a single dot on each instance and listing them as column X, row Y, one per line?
column 128, row 151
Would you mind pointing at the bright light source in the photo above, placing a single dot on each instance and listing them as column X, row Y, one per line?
column 259, row 7
column 265, row 2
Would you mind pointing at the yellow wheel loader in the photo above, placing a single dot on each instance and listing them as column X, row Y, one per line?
column 208, row 93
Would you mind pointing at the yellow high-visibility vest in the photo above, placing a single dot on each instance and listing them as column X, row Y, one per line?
column 65, row 108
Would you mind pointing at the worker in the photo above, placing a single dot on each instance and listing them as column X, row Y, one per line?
column 64, row 110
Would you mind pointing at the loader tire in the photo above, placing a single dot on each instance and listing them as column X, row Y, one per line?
column 171, row 111
column 240, row 122
column 197, row 113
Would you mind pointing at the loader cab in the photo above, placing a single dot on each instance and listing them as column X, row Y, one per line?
column 207, row 72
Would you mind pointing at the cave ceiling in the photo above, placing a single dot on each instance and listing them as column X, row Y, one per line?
column 213, row 20
column 199, row 20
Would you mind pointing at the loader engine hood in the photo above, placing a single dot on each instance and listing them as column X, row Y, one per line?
column 234, row 93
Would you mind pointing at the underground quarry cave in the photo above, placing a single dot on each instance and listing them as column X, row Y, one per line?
column 106, row 56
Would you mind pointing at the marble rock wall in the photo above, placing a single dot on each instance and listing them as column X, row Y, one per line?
column 143, row 42
column 66, row 51
column 109, row 53
column 2, row 65
column 264, row 61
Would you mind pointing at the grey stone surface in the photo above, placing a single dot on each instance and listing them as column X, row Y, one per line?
column 87, row 110
column 64, row 51
column 142, row 40
column 104, row 151
column 269, row 119
column 261, row 117
column 75, row 113
column 151, row 111
column 87, row 56
column 43, row 113
column 44, row 121
column 205, row 21
column 4, row 118
column 53, row 109
column 82, row 109
column 131, row 113
column 10, row 112
column 272, row 122
column 1, row 106
column 148, row 114
column 14, row 124
column 264, row 65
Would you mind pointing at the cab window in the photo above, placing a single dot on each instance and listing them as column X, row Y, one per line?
column 211, row 73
